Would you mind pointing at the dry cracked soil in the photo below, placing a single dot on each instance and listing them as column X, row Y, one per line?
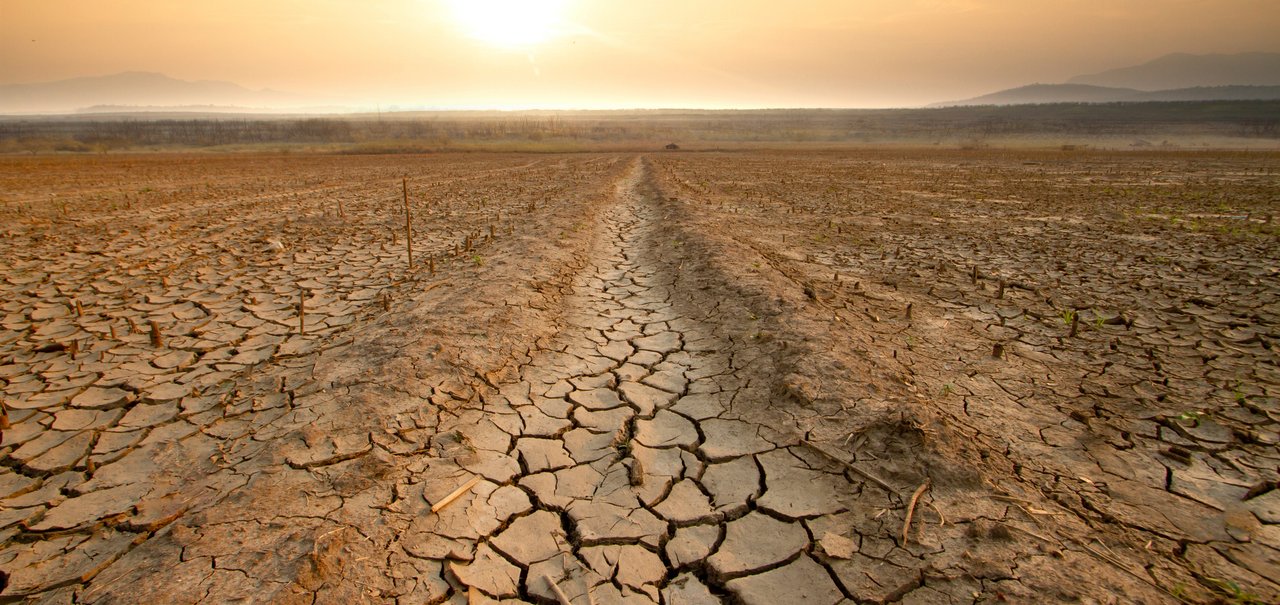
column 757, row 378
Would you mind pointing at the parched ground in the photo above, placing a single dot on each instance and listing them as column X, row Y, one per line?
column 863, row 377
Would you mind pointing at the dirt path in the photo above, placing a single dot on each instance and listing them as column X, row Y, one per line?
column 617, row 464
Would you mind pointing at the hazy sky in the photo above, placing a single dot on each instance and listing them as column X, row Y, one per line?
column 621, row 53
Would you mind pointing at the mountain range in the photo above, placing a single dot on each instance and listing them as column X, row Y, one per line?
column 136, row 89
column 1176, row 77
column 1085, row 93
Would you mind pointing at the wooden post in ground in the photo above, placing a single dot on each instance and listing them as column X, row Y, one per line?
column 302, row 312
column 408, row 225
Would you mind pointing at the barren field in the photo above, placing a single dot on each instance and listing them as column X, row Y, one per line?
column 681, row 378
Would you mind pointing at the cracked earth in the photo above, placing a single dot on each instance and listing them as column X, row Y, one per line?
column 607, row 379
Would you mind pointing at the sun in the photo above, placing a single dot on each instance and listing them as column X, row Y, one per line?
column 509, row 23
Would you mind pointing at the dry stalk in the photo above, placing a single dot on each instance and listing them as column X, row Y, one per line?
column 457, row 493
column 560, row 596
column 156, row 341
column 408, row 224
column 849, row 465
column 911, row 509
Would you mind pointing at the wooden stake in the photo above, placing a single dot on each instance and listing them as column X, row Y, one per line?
column 408, row 224
column 302, row 312
column 457, row 493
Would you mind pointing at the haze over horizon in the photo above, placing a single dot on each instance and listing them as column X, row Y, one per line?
column 661, row 53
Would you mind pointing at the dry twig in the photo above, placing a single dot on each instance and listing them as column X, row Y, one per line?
column 911, row 509
column 560, row 596
column 849, row 465
column 457, row 493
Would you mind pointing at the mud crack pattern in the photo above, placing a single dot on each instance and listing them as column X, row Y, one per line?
column 616, row 467
column 608, row 394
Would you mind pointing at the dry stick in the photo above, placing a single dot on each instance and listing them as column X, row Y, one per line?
column 942, row 519
column 911, row 509
column 408, row 228
column 1125, row 568
column 566, row 559
column 560, row 596
column 457, row 493
column 302, row 312
column 849, row 465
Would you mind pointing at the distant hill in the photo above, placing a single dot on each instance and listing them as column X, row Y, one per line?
column 1176, row 77
column 1180, row 70
column 1048, row 93
column 1083, row 93
column 133, row 88
column 1213, row 93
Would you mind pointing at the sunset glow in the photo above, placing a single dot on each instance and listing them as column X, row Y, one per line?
column 613, row 55
column 509, row 23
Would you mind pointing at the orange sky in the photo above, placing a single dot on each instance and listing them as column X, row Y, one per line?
column 623, row 53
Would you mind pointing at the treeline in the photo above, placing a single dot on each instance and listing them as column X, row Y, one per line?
column 98, row 133
column 442, row 130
